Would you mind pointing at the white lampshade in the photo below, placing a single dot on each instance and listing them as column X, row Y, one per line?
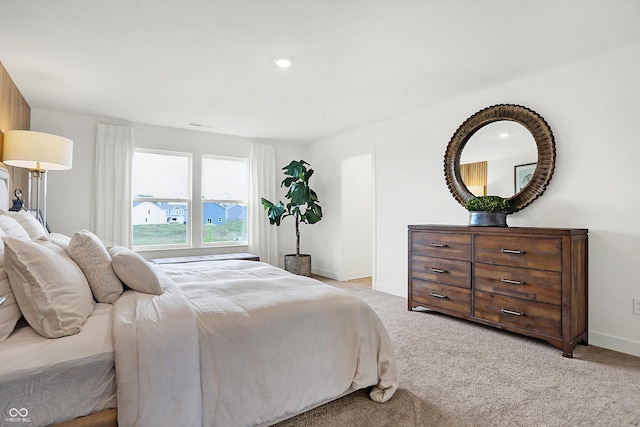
column 37, row 150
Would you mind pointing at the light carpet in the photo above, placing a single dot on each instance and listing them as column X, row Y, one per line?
column 456, row 373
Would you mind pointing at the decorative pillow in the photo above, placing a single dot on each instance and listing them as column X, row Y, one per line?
column 9, row 311
column 61, row 240
column 11, row 227
column 48, row 285
column 31, row 225
column 134, row 271
column 87, row 250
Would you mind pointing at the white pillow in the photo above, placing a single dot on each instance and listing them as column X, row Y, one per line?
column 51, row 290
column 61, row 240
column 9, row 311
column 87, row 250
column 134, row 271
column 31, row 225
column 11, row 227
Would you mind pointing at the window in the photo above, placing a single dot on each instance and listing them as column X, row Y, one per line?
column 225, row 192
column 161, row 189
column 162, row 213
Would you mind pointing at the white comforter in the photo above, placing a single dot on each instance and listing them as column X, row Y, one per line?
column 240, row 343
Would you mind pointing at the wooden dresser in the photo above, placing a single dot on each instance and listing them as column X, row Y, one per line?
column 532, row 281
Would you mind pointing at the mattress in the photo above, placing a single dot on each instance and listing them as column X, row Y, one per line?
column 47, row 381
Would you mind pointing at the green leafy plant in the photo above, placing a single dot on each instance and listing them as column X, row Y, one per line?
column 488, row 204
column 303, row 203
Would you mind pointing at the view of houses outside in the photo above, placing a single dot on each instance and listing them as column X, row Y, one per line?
column 159, row 223
column 165, row 223
column 224, row 222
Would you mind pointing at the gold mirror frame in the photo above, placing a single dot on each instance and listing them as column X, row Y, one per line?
column 531, row 120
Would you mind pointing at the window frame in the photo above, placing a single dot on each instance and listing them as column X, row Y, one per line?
column 188, row 202
column 237, row 201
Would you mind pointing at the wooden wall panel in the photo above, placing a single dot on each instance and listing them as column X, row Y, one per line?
column 15, row 114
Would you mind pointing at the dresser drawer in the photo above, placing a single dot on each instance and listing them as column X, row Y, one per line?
column 451, row 298
column 537, row 285
column 441, row 270
column 441, row 245
column 528, row 252
column 538, row 317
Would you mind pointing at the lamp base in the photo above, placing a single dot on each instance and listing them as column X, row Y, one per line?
column 38, row 194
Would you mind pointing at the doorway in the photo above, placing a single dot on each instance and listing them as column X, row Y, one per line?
column 357, row 217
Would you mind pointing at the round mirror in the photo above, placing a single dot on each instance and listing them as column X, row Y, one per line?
column 511, row 146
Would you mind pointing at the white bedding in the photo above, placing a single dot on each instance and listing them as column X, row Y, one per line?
column 56, row 380
column 243, row 343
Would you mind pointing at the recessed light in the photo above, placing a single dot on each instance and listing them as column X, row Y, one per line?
column 283, row 63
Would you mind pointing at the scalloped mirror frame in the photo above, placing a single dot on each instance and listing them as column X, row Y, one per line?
column 528, row 118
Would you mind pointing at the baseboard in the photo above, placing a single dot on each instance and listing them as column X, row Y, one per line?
column 610, row 342
column 357, row 274
column 335, row 276
column 391, row 290
column 324, row 273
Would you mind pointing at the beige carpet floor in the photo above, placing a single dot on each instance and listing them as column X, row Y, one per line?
column 456, row 373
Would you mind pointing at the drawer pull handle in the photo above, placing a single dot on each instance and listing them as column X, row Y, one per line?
column 513, row 313
column 512, row 282
column 433, row 294
column 437, row 270
column 439, row 245
column 512, row 251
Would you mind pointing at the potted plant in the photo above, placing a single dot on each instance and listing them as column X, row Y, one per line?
column 303, row 206
column 488, row 211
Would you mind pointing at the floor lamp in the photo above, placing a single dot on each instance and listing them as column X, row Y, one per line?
column 38, row 152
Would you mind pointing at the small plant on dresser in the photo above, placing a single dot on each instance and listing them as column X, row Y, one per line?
column 488, row 211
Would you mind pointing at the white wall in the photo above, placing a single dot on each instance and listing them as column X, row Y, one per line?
column 592, row 107
column 69, row 193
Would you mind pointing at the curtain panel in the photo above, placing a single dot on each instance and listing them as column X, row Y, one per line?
column 263, row 237
column 111, row 207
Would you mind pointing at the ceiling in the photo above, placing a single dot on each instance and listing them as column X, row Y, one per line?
column 355, row 62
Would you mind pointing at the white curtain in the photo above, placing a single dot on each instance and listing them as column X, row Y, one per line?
column 263, row 237
column 111, row 207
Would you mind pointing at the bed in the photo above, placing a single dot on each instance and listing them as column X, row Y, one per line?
column 51, row 380
column 230, row 342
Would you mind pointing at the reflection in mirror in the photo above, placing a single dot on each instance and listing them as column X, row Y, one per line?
column 508, row 113
column 474, row 177
column 488, row 159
